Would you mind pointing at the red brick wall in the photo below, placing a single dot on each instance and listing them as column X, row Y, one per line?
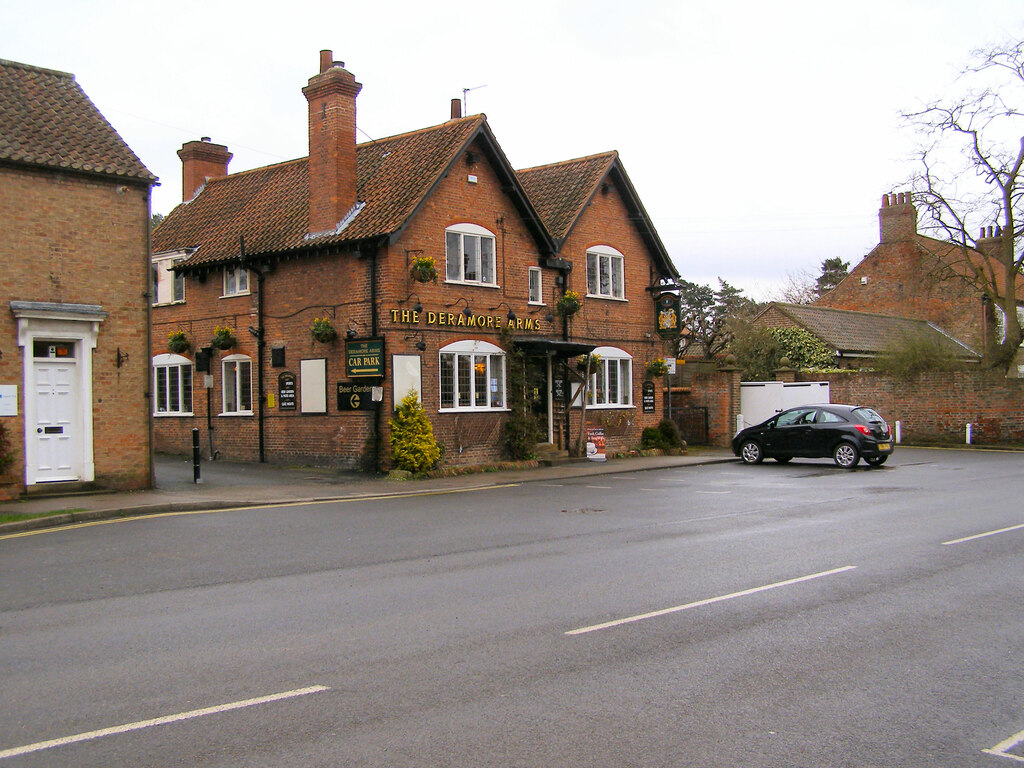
column 936, row 407
column 74, row 239
column 933, row 408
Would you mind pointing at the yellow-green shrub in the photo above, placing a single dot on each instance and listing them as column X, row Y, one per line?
column 413, row 447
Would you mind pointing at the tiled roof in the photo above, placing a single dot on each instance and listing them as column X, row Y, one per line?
column 47, row 120
column 967, row 262
column 559, row 191
column 269, row 206
column 863, row 332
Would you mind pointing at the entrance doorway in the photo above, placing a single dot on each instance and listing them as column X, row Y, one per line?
column 56, row 394
column 57, row 342
column 538, row 394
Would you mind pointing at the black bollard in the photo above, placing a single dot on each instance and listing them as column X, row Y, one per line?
column 195, row 456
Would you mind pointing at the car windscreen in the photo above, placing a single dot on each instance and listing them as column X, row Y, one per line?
column 867, row 416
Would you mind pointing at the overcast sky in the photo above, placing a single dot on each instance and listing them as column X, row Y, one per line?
column 759, row 135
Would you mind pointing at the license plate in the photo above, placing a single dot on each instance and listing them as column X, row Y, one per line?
column 883, row 446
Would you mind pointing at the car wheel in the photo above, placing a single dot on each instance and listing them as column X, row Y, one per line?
column 751, row 453
column 783, row 459
column 876, row 461
column 846, row 455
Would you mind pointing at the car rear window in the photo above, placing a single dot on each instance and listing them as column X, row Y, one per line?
column 867, row 416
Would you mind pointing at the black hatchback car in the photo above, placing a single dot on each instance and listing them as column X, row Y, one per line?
column 845, row 433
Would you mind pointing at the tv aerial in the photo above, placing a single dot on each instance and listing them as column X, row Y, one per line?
column 465, row 102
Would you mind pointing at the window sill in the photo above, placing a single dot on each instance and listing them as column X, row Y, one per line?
column 471, row 284
column 236, row 413
column 473, row 410
column 168, row 303
column 623, row 299
column 608, row 407
column 236, row 295
column 166, row 414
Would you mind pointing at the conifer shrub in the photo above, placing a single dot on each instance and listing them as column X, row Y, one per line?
column 413, row 447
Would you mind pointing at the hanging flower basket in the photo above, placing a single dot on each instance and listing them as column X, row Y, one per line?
column 569, row 304
column 178, row 343
column 581, row 362
column 657, row 367
column 323, row 331
column 423, row 269
column 223, row 338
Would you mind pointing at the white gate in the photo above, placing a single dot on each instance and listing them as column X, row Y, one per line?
column 760, row 400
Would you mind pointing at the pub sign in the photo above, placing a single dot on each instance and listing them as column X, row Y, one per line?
column 668, row 315
column 364, row 359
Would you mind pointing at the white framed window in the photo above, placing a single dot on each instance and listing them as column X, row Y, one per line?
column 469, row 255
column 172, row 385
column 236, row 281
column 472, row 376
column 536, row 286
column 168, row 287
column 611, row 380
column 236, row 385
column 604, row 273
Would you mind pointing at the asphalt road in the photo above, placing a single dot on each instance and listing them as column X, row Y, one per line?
column 716, row 615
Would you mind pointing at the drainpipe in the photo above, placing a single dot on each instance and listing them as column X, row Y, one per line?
column 258, row 333
column 147, row 393
column 378, row 415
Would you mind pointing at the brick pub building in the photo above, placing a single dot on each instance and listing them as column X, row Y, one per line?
column 337, row 239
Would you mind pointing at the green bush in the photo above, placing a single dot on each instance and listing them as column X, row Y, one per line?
column 911, row 354
column 413, row 447
column 652, row 437
column 670, row 434
column 521, row 433
column 7, row 453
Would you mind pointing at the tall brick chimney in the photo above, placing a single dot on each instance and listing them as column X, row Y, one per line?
column 332, row 143
column 201, row 160
column 897, row 218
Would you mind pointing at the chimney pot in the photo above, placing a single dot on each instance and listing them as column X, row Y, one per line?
column 456, row 109
column 326, row 60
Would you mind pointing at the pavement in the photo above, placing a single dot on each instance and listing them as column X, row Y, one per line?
column 229, row 484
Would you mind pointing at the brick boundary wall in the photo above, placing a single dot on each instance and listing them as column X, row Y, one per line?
column 932, row 408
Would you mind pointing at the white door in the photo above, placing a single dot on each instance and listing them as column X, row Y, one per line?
column 57, row 433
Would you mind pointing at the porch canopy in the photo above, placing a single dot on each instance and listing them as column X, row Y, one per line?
column 557, row 347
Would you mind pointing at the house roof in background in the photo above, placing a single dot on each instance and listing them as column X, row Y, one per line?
column 46, row 120
column 862, row 333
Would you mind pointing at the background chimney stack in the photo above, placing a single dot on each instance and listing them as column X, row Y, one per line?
column 200, row 161
column 897, row 218
column 331, row 95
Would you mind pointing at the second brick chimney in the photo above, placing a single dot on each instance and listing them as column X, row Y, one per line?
column 200, row 161
column 332, row 143
column 897, row 218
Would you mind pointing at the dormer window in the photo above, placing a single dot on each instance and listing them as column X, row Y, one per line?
column 605, row 273
column 469, row 255
column 168, row 286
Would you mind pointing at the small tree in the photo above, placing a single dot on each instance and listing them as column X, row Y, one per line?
column 833, row 271
column 413, row 447
column 705, row 314
column 521, row 433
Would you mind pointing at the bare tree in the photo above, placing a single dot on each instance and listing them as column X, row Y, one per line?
column 971, row 180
